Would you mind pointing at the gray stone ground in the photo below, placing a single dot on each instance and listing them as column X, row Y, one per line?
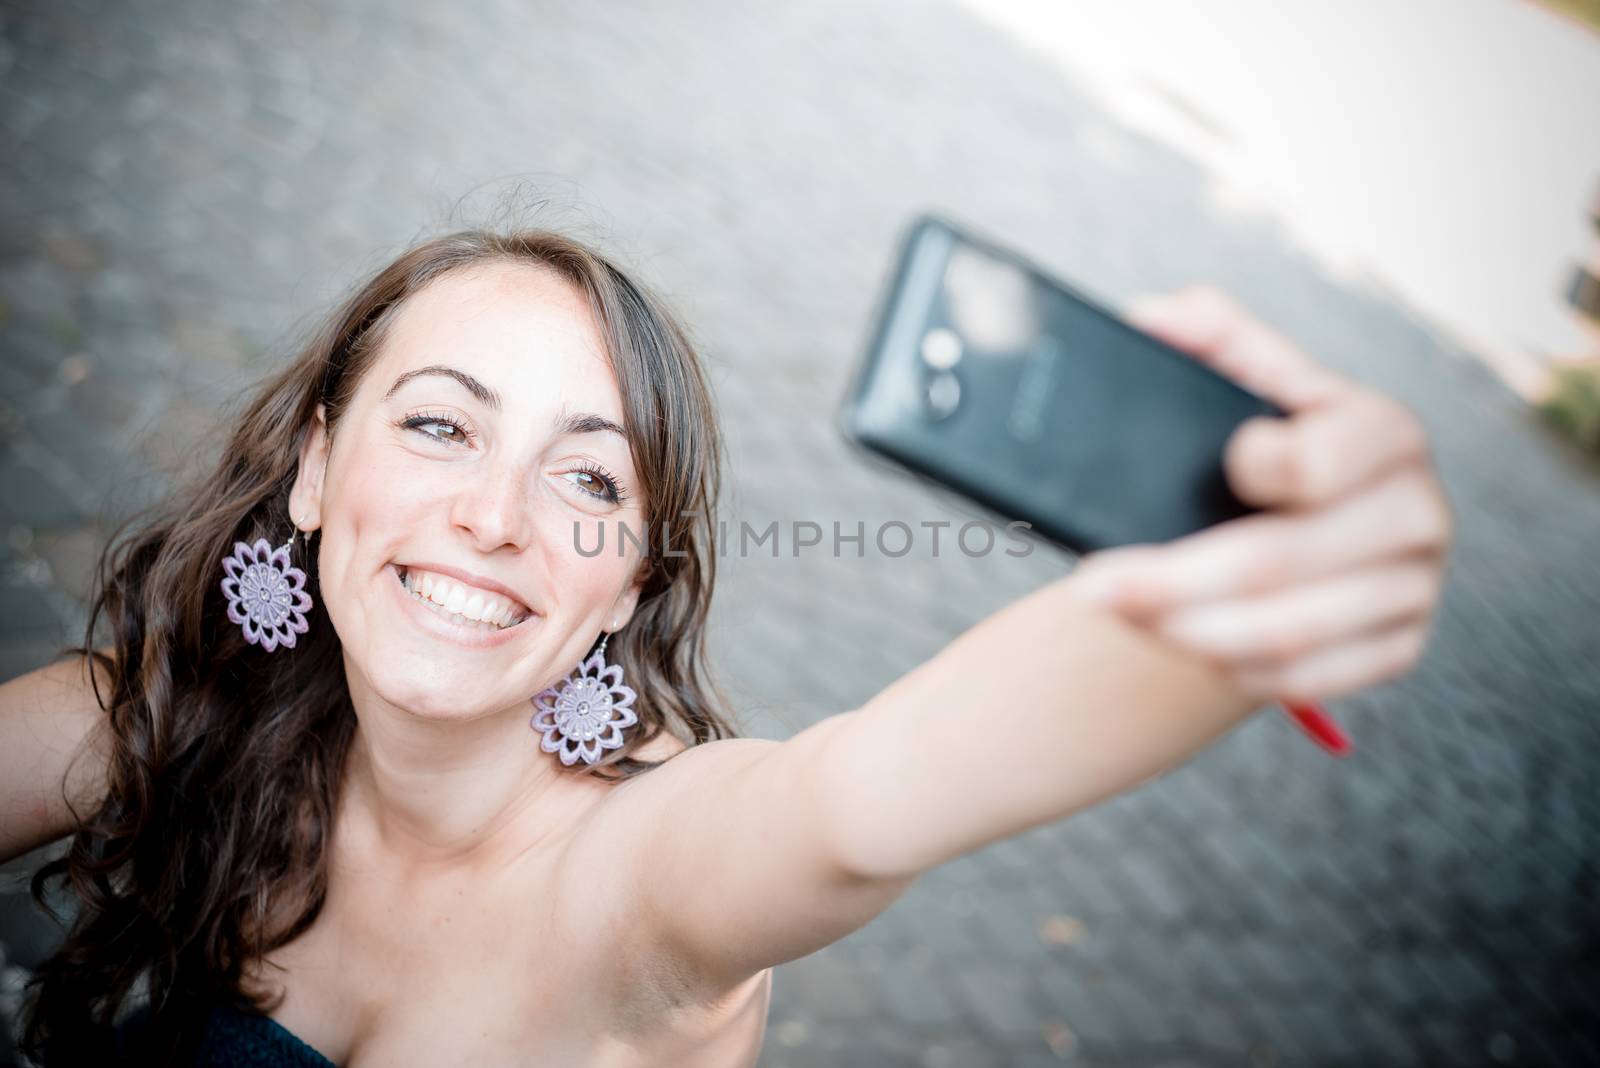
column 182, row 186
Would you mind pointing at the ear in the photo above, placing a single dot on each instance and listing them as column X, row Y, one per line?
column 622, row 608
column 305, row 497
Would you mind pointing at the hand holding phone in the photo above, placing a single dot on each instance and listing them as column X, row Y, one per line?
column 989, row 376
column 1332, row 589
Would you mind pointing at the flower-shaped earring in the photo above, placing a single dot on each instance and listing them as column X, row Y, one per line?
column 587, row 712
column 266, row 594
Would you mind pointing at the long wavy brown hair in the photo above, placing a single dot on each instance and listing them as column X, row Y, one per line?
column 209, row 849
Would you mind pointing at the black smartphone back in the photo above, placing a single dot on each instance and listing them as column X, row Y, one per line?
column 991, row 377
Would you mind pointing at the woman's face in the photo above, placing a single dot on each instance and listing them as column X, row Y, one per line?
column 485, row 437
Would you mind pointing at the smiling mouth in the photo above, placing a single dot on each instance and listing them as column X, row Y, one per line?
column 460, row 603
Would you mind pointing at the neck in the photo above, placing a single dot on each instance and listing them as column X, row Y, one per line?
column 446, row 792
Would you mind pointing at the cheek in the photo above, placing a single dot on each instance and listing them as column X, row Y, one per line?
column 580, row 583
column 589, row 585
column 369, row 504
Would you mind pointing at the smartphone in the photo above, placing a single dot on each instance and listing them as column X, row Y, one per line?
column 989, row 376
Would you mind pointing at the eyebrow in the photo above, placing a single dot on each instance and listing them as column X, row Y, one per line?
column 588, row 423
column 472, row 385
column 571, row 423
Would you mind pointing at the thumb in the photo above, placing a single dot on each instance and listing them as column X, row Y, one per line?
column 1206, row 323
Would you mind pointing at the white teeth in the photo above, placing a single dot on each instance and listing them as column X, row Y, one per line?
column 462, row 604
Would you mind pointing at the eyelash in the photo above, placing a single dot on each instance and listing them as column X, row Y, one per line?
column 417, row 420
column 615, row 493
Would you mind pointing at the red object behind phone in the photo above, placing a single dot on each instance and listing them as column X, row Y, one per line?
column 1321, row 727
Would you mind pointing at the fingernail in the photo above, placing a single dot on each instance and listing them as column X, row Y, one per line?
column 1263, row 432
column 1266, row 453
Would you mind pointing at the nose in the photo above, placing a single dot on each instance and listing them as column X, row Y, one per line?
column 493, row 508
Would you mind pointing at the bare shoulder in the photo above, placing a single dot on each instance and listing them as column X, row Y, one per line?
column 632, row 814
column 649, row 808
column 663, row 746
column 606, row 862
column 696, row 878
column 682, row 762
column 639, row 811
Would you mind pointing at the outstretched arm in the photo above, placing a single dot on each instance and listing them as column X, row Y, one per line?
column 754, row 852
column 1039, row 711
column 48, row 754
column 764, row 852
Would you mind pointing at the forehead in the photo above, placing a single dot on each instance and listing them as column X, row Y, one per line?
column 519, row 324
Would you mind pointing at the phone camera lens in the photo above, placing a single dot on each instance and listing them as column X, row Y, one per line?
column 944, row 395
column 941, row 348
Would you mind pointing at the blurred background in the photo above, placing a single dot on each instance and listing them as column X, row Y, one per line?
column 1411, row 191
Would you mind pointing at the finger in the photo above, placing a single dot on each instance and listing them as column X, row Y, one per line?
column 1368, row 660
column 1317, row 456
column 1296, row 622
column 1206, row 323
column 1397, row 516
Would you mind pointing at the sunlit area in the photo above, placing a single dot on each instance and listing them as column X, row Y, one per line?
column 349, row 321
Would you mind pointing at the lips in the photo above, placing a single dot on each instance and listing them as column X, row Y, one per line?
column 463, row 599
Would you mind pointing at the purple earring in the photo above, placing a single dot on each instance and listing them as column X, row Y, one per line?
column 266, row 593
column 587, row 712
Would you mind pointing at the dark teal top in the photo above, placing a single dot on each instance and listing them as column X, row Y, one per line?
column 225, row 1038
column 233, row 1039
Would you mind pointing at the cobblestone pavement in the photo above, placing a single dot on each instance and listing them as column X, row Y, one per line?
column 183, row 186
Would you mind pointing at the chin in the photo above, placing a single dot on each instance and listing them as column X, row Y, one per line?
column 437, row 695
column 444, row 684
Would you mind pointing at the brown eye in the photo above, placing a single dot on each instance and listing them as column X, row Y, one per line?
column 597, row 484
column 440, row 429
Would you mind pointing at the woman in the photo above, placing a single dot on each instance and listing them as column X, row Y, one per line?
column 318, row 799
